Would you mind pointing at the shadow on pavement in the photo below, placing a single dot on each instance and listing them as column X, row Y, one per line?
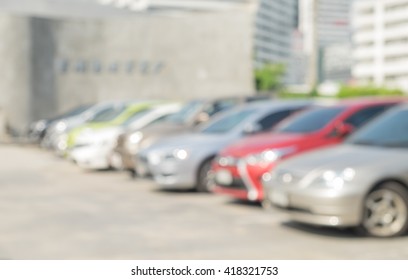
column 105, row 170
column 350, row 233
column 176, row 191
column 324, row 231
column 245, row 203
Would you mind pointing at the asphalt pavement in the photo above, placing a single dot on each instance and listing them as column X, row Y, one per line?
column 52, row 209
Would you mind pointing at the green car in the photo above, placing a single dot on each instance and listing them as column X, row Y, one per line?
column 110, row 117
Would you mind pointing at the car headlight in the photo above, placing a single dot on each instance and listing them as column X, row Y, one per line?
column 334, row 179
column 40, row 125
column 269, row 156
column 62, row 142
column 61, row 126
column 180, row 154
column 135, row 138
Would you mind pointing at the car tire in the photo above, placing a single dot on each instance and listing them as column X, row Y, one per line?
column 204, row 178
column 132, row 173
column 385, row 211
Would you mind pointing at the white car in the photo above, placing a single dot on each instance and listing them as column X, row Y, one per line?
column 94, row 148
column 56, row 136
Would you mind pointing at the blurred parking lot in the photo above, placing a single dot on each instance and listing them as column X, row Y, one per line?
column 51, row 209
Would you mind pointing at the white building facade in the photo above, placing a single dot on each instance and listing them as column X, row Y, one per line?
column 380, row 50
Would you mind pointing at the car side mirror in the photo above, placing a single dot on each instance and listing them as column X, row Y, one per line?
column 252, row 129
column 344, row 129
column 202, row 117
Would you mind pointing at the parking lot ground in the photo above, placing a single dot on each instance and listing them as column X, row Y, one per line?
column 51, row 209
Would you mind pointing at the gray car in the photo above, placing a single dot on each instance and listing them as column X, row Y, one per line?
column 184, row 161
column 193, row 114
column 362, row 183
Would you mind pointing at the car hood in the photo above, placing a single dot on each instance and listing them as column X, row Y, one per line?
column 195, row 141
column 377, row 159
column 165, row 128
column 106, row 133
column 258, row 143
column 70, row 123
column 86, row 130
column 154, row 133
column 74, row 122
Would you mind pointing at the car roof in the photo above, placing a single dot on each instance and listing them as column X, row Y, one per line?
column 243, row 98
column 357, row 102
column 275, row 103
column 263, row 107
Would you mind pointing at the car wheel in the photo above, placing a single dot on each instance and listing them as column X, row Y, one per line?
column 132, row 173
column 205, row 179
column 386, row 211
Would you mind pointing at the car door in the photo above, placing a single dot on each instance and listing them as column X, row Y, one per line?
column 355, row 119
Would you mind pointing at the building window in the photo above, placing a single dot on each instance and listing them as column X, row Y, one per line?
column 130, row 67
column 144, row 67
column 390, row 8
column 396, row 58
column 81, row 66
column 366, row 11
column 158, row 67
column 114, row 67
column 62, row 66
column 97, row 67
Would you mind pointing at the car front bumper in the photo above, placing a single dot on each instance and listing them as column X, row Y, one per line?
column 174, row 174
column 91, row 157
column 316, row 205
column 245, row 181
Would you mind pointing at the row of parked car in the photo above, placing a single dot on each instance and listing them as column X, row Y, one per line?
column 338, row 164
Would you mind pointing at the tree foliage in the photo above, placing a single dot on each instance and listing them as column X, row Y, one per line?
column 348, row 92
column 269, row 77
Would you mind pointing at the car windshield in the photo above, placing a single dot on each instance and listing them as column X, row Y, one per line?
column 390, row 130
column 228, row 122
column 108, row 114
column 75, row 111
column 311, row 121
column 186, row 113
column 133, row 118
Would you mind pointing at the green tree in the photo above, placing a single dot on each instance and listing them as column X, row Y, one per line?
column 269, row 77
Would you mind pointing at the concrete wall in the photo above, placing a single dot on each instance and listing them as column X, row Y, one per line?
column 44, row 99
column 52, row 65
column 15, row 83
column 196, row 56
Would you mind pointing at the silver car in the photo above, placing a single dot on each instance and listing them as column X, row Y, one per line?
column 184, row 161
column 362, row 183
column 193, row 114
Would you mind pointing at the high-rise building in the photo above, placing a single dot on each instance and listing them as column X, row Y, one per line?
column 166, row 6
column 326, row 33
column 275, row 23
column 381, row 43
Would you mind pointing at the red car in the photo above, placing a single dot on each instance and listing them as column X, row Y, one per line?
column 239, row 168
